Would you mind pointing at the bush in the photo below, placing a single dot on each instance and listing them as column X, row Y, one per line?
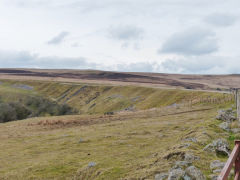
column 32, row 107
column 7, row 113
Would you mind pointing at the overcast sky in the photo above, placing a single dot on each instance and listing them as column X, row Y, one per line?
column 166, row 36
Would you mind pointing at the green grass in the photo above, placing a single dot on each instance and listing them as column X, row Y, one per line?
column 124, row 146
column 95, row 99
column 131, row 148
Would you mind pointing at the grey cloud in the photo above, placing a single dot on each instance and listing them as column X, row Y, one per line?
column 126, row 33
column 189, row 65
column 59, row 38
column 220, row 19
column 14, row 59
column 194, row 41
column 24, row 59
column 201, row 65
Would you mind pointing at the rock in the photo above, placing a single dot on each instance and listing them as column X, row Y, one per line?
column 191, row 139
column 217, row 171
column 225, row 126
column 186, row 177
column 213, row 177
column 80, row 140
column 194, row 173
column 226, row 115
column 235, row 130
column 109, row 113
column 190, row 157
column 216, row 165
column 130, row 108
column 220, row 146
column 181, row 164
column 92, row 164
column 176, row 174
column 161, row 176
column 184, row 145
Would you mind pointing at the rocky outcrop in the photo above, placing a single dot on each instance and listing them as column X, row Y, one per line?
column 226, row 115
column 183, row 170
column 220, row 146
column 176, row 174
column 225, row 126
column 161, row 176
column 194, row 173
column 216, row 165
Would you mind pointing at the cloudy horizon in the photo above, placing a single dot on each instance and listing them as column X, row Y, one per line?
column 163, row 36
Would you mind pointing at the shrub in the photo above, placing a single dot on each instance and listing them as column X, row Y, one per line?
column 32, row 107
column 7, row 113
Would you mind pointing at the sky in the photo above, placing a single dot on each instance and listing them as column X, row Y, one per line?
column 164, row 36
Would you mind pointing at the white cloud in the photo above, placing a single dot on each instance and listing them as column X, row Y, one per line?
column 145, row 26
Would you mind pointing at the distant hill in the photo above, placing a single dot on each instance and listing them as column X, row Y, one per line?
column 203, row 82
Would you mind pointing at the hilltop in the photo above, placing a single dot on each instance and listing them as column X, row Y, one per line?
column 203, row 82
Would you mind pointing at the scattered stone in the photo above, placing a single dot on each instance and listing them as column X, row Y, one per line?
column 161, row 176
column 235, row 130
column 213, row 177
column 81, row 140
column 226, row 115
column 130, row 108
column 194, row 173
column 92, row 164
column 176, row 174
column 217, row 171
column 185, row 145
column 225, row 126
column 216, row 165
column 191, row 139
column 190, row 157
column 219, row 146
column 108, row 136
column 136, row 99
column 65, row 135
column 181, row 164
column 186, row 177
column 109, row 113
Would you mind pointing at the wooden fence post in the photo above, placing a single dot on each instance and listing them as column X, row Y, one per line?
column 238, row 105
column 237, row 100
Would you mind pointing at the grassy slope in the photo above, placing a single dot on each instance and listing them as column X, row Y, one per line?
column 94, row 99
column 128, row 145
column 134, row 147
